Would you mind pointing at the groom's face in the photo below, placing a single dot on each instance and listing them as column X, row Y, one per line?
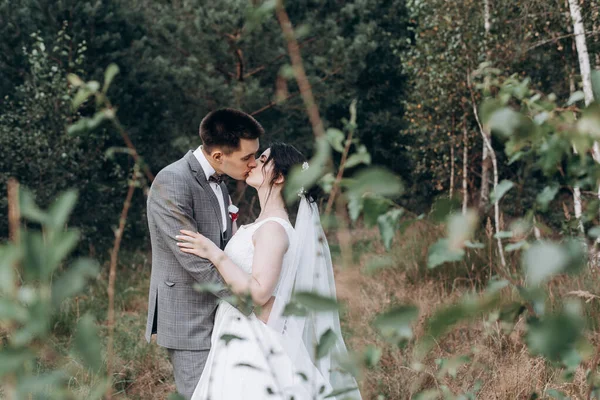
column 239, row 163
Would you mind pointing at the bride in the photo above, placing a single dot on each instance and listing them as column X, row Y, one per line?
column 273, row 355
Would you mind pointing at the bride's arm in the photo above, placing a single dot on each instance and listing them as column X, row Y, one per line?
column 270, row 244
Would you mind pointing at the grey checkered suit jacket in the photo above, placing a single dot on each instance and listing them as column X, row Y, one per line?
column 181, row 198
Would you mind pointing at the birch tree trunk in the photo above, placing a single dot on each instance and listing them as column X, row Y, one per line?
column 582, row 51
column 465, row 169
column 485, row 154
column 586, row 77
column 452, row 169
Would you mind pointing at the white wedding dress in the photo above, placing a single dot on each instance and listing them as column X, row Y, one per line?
column 247, row 359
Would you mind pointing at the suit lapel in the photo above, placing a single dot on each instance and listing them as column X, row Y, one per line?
column 201, row 178
column 226, row 211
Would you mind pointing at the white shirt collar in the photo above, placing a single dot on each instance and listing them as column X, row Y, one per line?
column 206, row 167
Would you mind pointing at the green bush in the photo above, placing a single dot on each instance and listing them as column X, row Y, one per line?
column 38, row 151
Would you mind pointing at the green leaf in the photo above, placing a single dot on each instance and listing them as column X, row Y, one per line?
column 374, row 207
column 73, row 280
column 98, row 391
column 38, row 385
column 227, row 338
column 443, row 207
column 500, row 191
column 37, row 325
column 474, row 245
column 396, row 324
column 504, row 121
column 511, row 311
column 84, row 125
column 13, row 360
column 460, row 228
column 316, row 302
column 555, row 394
column 595, row 76
column 371, row 356
column 355, row 207
column 208, row 287
column 87, row 344
column 450, row 366
column 336, row 139
column 375, row 263
column 10, row 255
column 444, row 318
column 546, row 196
column 554, row 336
column 74, row 80
column 294, row 309
column 109, row 75
column 298, row 178
column 326, row 343
column 81, row 96
column 430, row 394
column 594, row 232
column 59, row 211
column 12, row 311
column 589, row 123
column 338, row 392
column 388, row 224
column 546, row 259
column 575, row 97
column 60, row 245
column 375, row 180
column 357, row 159
column 35, row 253
column 516, row 246
column 503, row 235
column 28, row 207
column 440, row 253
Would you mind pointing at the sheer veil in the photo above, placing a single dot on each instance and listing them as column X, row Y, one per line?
column 311, row 271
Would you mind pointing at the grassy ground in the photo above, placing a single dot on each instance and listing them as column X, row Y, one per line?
column 500, row 364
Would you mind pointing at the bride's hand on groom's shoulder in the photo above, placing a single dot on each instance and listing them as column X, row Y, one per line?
column 197, row 244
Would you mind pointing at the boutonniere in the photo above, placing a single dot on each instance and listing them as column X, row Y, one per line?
column 234, row 212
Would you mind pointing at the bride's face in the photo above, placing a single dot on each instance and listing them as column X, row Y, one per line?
column 261, row 175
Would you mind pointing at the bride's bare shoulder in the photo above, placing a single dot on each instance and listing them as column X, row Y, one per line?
column 273, row 234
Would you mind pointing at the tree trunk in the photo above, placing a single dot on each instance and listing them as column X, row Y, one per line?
column 465, row 169
column 487, row 23
column 582, row 51
column 586, row 76
column 452, row 169
column 485, row 155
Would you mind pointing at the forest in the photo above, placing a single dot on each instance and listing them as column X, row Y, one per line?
column 456, row 144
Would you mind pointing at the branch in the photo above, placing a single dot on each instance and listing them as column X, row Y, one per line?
column 274, row 103
column 111, row 280
column 492, row 153
column 296, row 58
column 14, row 213
column 556, row 39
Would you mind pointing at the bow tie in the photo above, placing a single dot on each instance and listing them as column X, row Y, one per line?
column 216, row 179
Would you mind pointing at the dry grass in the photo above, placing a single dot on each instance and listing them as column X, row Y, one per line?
column 499, row 360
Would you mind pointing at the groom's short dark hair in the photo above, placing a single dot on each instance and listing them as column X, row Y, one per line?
column 225, row 127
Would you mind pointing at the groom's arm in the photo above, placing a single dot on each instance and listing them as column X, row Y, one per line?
column 170, row 203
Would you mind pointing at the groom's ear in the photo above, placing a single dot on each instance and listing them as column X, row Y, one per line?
column 217, row 155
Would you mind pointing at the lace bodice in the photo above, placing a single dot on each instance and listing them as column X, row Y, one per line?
column 240, row 248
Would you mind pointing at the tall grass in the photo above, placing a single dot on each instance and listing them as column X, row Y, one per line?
column 501, row 366
column 141, row 370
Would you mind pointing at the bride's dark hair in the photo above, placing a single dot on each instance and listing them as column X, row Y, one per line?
column 284, row 157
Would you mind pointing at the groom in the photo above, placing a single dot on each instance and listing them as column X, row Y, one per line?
column 189, row 194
